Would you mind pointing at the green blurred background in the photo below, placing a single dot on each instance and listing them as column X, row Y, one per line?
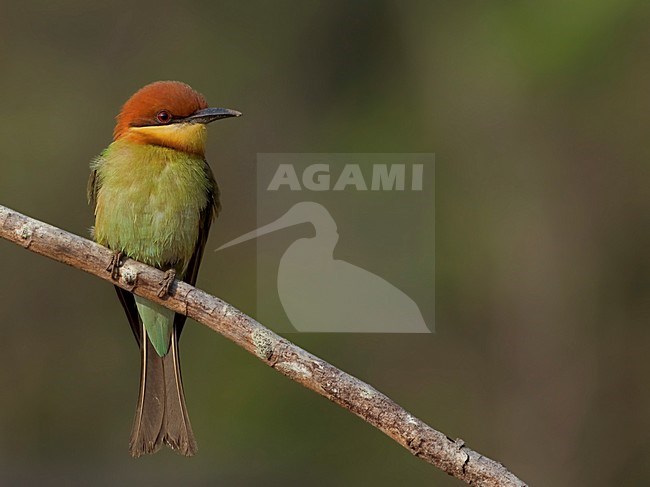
column 538, row 115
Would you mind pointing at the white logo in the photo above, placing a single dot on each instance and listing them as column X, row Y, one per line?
column 320, row 293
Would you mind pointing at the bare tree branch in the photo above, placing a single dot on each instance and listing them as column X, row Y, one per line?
column 451, row 456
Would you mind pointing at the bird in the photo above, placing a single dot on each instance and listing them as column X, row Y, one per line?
column 154, row 198
column 322, row 294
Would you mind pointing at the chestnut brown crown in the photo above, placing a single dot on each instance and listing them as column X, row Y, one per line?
column 157, row 104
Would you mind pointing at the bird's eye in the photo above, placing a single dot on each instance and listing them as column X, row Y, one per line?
column 164, row 116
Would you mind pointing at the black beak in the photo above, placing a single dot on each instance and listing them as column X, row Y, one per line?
column 208, row 115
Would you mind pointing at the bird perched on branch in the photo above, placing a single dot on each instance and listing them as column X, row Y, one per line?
column 155, row 197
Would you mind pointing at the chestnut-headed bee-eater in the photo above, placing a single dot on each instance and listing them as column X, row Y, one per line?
column 154, row 198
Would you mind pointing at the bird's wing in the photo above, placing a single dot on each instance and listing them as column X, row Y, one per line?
column 92, row 188
column 94, row 182
column 126, row 298
column 209, row 213
column 128, row 303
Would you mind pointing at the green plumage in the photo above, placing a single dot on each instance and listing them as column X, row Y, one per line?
column 152, row 204
column 154, row 198
column 159, row 323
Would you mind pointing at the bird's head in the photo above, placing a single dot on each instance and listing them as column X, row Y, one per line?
column 169, row 114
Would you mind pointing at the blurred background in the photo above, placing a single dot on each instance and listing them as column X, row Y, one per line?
column 538, row 115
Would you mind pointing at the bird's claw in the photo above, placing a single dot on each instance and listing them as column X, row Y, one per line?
column 166, row 283
column 115, row 264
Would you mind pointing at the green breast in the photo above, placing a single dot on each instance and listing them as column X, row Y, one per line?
column 149, row 202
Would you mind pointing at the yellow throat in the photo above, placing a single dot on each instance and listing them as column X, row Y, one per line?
column 186, row 137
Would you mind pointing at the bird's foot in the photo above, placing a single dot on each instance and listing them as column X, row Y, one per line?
column 166, row 283
column 115, row 264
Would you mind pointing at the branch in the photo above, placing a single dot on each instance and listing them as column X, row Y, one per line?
column 451, row 456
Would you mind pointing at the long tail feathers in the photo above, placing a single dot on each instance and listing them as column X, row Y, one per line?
column 161, row 414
